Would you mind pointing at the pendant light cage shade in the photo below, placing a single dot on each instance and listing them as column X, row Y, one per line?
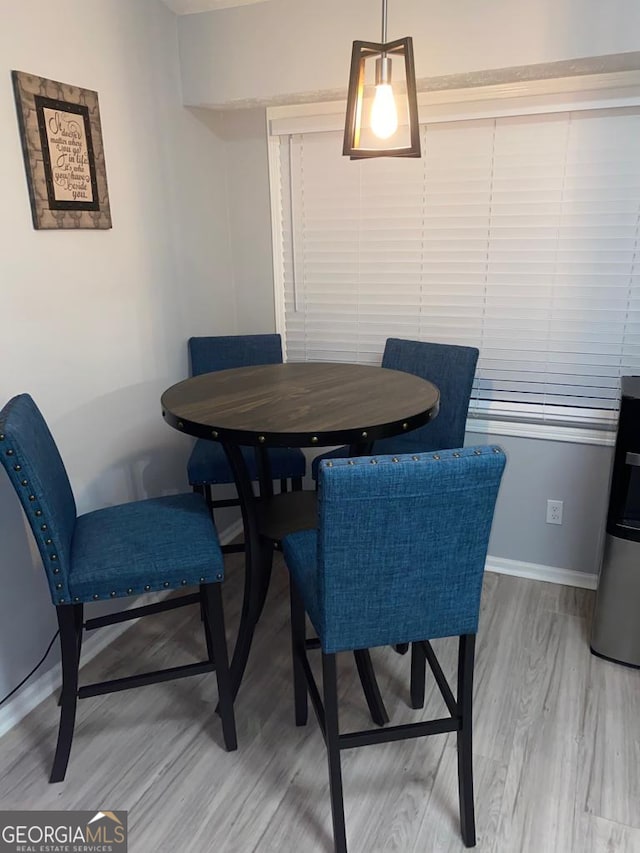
column 390, row 64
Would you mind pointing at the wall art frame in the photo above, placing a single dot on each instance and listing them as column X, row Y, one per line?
column 63, row 153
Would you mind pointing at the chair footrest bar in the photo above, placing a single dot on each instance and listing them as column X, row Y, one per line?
column 137, row 612
column 225, row 502
column 234, row 548
column 144, row 679
column 312, row 643
column 411, row 730
column 440, row 677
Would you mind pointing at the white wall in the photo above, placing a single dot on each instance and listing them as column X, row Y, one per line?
column 249, row 210
column 94, row 324
column 538, row 470
column 287, row 48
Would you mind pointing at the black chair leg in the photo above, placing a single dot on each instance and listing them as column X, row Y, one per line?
column 217, row 641
column 332, row 731
column 204, row 616
column 370, row 687
column 266, row 567
column 418, row 667
column 298, row 638
column 79, row 628
column 465, row 757
column 296, row 484
column 283, row 486
column 69, row 616
column 206, row 491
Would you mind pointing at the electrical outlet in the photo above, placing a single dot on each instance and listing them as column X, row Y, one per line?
column 554, row 512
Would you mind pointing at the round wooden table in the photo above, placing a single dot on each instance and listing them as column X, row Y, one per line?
column 300, row 405
column 291, row 405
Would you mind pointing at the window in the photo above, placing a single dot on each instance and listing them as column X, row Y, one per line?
column 518, row 234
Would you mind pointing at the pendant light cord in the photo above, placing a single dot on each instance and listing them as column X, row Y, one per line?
column 384, row 21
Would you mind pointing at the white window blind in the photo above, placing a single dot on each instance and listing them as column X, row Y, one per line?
column 518, row 235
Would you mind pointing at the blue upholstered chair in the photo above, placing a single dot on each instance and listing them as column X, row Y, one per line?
column 149, row 545
column 208, row 465
column 398, row 557
column 451, row 368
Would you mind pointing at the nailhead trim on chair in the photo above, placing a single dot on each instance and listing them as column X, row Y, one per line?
column 443, row 455
column 131, row 591
column 436, row 456
column 48, row 542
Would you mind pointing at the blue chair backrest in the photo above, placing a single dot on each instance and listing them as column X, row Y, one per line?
column 402, row 544
column 209, row 354
column 452, row 369
column 37, row 473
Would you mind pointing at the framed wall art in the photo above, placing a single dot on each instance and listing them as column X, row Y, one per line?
column 63, row 153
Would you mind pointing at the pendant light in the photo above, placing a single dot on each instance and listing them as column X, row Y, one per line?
column 382, row 107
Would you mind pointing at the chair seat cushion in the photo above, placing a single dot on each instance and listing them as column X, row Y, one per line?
column 301, row 556
column 208, row 463
column 161, row 543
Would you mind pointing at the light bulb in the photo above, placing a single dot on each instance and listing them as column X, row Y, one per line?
column 384, row 115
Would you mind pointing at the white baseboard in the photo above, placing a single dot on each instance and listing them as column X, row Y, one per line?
column 49, row 681
column 539, row 572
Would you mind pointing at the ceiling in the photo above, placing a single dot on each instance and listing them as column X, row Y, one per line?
column 190, row 7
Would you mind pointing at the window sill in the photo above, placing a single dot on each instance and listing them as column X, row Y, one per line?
column 546, row 432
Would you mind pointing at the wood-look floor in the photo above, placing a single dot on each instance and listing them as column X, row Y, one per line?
column 557, row 743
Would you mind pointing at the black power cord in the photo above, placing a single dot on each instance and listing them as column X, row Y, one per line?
column 27, row 677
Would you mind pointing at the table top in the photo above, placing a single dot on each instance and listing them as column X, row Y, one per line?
column 300, row 404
